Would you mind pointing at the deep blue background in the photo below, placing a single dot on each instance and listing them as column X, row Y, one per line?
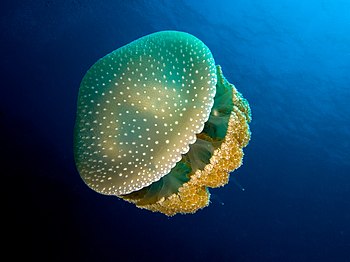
column 290, row 59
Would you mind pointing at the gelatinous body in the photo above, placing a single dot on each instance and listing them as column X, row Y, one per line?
column 158, row 123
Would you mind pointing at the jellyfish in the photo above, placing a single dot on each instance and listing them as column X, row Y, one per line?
column 157, row 124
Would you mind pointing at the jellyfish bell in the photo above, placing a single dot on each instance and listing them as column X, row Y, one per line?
column 136, row 100
column 157, row 124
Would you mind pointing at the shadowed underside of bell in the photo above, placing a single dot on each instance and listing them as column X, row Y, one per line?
column 157, row 123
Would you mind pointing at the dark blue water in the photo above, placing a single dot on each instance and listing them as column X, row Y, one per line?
column 290, row 59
